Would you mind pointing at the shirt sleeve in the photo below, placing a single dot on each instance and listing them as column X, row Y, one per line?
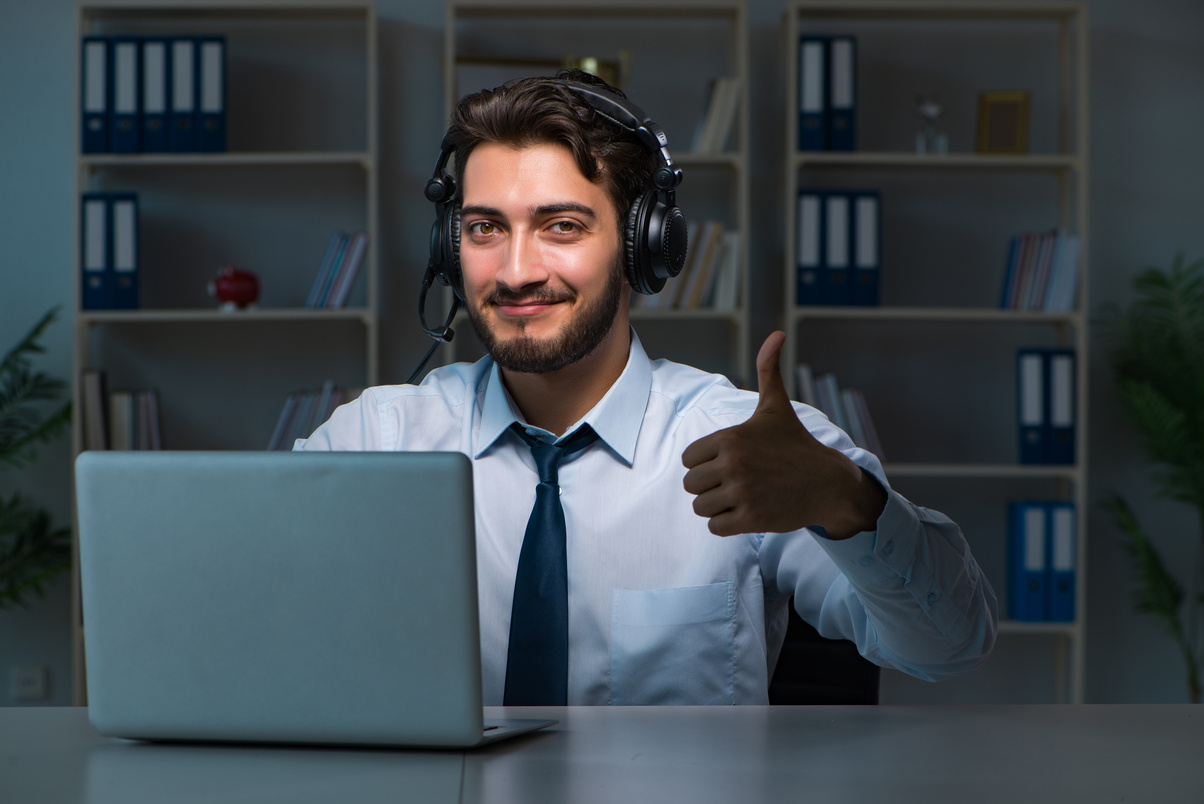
column 909, row 594
column 353, row 427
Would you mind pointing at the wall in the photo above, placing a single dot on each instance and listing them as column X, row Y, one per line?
column 1147, row 68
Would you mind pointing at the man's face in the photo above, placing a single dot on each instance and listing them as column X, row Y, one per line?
column 540, row 257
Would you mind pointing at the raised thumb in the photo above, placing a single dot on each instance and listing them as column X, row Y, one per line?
column 771, row 386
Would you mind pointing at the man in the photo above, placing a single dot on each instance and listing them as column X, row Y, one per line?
column 699, row 509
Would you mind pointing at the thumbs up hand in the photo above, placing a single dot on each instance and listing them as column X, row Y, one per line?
column 770, row 474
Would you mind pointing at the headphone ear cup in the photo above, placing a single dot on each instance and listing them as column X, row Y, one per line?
column 654, row 242
column 637, row 261
column 671, row 241
column 445, row 247
column 454, row 274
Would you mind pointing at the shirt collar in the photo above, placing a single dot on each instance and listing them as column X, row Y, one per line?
column 616, row 418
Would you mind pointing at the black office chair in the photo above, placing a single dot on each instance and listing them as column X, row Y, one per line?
column 815, row 670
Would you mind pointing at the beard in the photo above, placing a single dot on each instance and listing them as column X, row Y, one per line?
column 588, row 327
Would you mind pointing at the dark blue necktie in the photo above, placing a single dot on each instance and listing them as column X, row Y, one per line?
column 537, row 664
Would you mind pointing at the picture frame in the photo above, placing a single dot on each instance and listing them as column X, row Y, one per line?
column 1003, row 122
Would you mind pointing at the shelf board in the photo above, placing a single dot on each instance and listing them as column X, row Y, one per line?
column 215, row 316
column 225, row 8
column 1070, row 629
column 980, row 315
column 728, row 159
column 904, row 160
column 996, row 471
column 855, row 10
column 362, row 159
column 470, row 9
column 704, row 314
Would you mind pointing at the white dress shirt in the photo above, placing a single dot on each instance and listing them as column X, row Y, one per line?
column 661, row 611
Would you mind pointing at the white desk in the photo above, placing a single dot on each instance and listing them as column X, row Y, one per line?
column 1025, row 754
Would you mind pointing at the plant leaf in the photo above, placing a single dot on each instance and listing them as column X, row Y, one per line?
column 1158, row 593
column 1158, row 357
column 24, row 420
column 32, row 551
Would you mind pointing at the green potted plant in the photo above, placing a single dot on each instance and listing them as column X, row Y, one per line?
column 1158, row 356
column 32, row 550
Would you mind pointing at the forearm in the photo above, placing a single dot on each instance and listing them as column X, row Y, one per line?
column 908, row 592
column 915, row 599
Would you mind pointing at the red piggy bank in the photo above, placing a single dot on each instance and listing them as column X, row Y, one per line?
column 234, row 288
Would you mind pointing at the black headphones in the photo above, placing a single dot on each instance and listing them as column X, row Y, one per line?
column 654, row 237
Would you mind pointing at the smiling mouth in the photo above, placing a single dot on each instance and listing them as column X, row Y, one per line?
column 528, row 304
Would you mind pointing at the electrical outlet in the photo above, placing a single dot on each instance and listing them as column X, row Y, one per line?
column 29, row 683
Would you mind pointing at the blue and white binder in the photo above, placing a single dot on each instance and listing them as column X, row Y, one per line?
column 123, row 279
column 1060, row 386
column 842, row 93
column 812, row 93
column 867, row 247
column 95, row 93
column 125, row 128
column 182, row 106
column 94, row 251
column 1028, row 590
column 837, row 264
column 1031, row 404
column 810, row 247
column 211, row 77
column 155, row 77
column 1063, row 558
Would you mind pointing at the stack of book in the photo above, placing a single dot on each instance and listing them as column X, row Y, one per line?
column 710, row 278
column 844, row 407
column 336, row 275
column 714, row 133
column 153, row 94
column 1042, row 272
column 123, row 419
column 303, row 412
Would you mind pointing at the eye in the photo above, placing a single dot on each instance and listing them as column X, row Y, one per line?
column 565, row 227
column 483, row 228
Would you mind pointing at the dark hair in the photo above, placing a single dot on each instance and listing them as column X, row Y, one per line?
column 534, row 111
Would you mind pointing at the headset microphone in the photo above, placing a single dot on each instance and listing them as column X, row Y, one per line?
column 443, row 334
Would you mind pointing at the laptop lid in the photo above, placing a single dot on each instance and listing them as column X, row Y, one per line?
column 281, row 597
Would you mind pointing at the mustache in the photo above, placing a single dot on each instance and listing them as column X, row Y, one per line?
column 533, row 296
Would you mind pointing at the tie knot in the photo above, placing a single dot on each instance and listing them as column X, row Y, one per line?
column 548, row 456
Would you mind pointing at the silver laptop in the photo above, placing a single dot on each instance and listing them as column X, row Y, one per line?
column 282, row 597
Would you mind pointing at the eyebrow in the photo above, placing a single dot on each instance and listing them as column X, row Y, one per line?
column 539, row 212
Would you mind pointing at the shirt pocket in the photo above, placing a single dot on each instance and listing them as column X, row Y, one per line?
column 673, row 646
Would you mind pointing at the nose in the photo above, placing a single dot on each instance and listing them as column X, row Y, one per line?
column 522, row 263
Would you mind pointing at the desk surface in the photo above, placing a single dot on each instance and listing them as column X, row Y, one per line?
column 1022, row 754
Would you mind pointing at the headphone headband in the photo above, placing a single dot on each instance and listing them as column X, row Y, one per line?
column 629, row 117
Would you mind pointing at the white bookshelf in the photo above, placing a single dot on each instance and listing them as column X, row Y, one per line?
column 934, row 367
column 301, row 162
column 487, row 42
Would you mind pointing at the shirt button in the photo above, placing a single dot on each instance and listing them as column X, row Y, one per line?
column 888, row 548
column 866, row 561
column 931, row 598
